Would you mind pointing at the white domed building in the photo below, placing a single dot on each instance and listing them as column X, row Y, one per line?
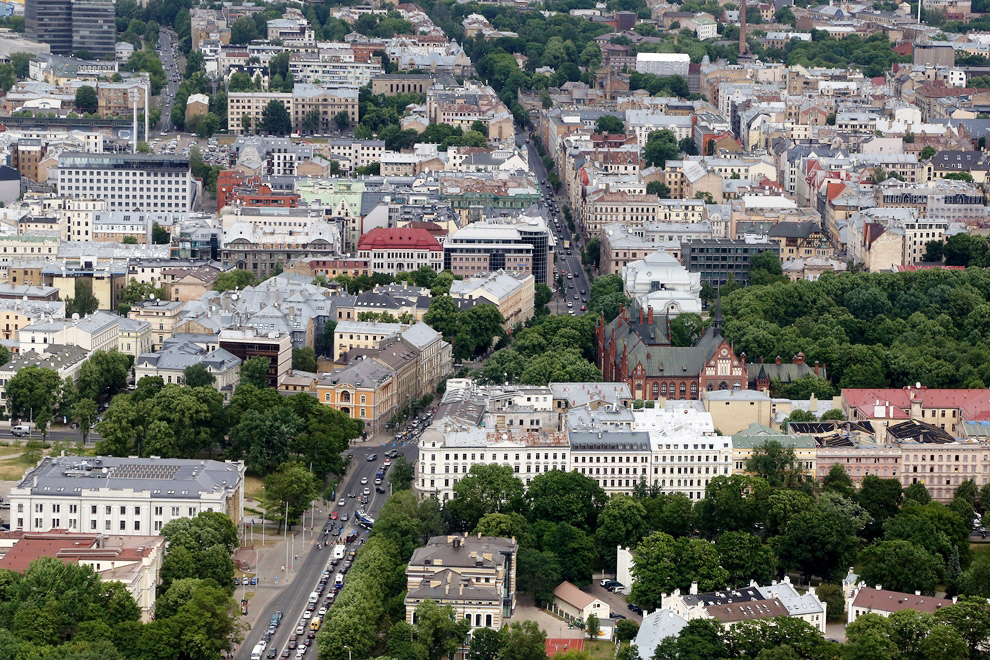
column 661, row 282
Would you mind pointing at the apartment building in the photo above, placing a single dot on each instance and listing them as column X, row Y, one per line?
column 475, row 575
column 512, row 293
column 522, row 244
column 98, row 331
column 123, row 496
column 326, row 101
column 129, row 182
column 246, row 342
column 161, row 315
column 395, row 250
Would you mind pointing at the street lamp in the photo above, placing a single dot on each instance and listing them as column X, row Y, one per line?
column 348, row 651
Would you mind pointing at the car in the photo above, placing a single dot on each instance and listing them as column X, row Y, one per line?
column 577, row 297
column 310, row 608
column 608, row 582
column 300, row 652
column 300, row 629
column 341, row 503
column 244, row 580
column 334, row 515
column 379, row 489
column 584, row 308
column 343, row 517
column 364, row 499
column 273, row 652
column 292, row 642
column 285, row 654
column 311, row 634
column 352, row 494
column 323, row 611
column 635, row 608
column 616, row 615
column 307, row 615
column 570, row 304
column 388, row 461
column 372, row 457
column 364, row 480
column 367, row 491
column 254, row 581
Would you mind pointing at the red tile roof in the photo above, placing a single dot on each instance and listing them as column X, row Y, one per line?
column 399, row 238
column 70, row 548
column 974, row 404
column 894, row 601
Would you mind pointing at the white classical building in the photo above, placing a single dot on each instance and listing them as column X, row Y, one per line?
column 661, row 282
column 123, row 496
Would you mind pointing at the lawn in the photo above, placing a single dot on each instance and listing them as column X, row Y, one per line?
column 254, row 487
column 600, row 648
column 14, row 468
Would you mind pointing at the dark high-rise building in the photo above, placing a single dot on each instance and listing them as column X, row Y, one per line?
column 50, row 21
column 73, row 26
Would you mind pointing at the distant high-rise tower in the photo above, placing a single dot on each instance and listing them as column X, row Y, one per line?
column 73, row 26
column 742, row 29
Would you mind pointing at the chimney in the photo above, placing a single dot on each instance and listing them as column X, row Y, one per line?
column 798, row 359
column 650, row 315
column 694, row 588
column 778, row 359
column 917, row 592
column 641, row 315
column 816, row 367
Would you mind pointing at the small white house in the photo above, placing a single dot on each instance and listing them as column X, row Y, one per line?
column 572, row 603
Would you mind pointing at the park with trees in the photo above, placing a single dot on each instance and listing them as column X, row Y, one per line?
column 755, row 526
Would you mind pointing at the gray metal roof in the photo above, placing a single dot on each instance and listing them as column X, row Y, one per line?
column 164, row 477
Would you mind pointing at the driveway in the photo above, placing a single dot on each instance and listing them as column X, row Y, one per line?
column 617, row 602
column 526, row 610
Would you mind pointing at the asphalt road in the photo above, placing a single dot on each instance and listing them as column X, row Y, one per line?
column 311, row 563
column 170, row 61
column 563, row 262
column 58, row 434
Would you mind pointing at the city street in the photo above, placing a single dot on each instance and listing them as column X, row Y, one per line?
column 170, row 61
column 292, row 597
column 563, row 262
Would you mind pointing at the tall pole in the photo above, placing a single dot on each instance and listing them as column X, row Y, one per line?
column 147, row 93
column 742, row 28
column 286, row 541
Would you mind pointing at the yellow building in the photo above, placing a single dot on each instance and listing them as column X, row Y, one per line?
column 365, row 390
column 161, row 315
column 733, row 411
column 134, row 337
column 744, row 442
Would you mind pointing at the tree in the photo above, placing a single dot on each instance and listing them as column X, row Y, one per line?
column 881, row 498
column 523, row 641
column 86, row 99
column 196, row 375
column 254, row 371
column 558, row 496
column 486, row 644
column 775, row 463
column 837, row 480
column 234, row 279
column 659, row 189
column 900, row 566
column 626, row 630
column 304, row 359
column 592, row 627
column 21, row 63
column 265, row 438
column 610, row 124
column 291, row 485
column 32, row 394
column 160, row 235
column 8, row 77
column 832, row 595
column 542, row 296
column 85, row 413
column 539, row 573
column 194, row 62
column 765, row 268
column 927, row 152
column 746, row 558
column 732, row 503
column 401, row 476
column 488, row 488
column 84, row 302
column 275, row 119
column 833, row 549
column 622, row 522
column 661, row 146
column 136, row 291
column 104, row 374
column 342, row 120
column 655, row 569
column 243, row 30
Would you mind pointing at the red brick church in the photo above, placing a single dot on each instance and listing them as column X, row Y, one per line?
column 635, row 348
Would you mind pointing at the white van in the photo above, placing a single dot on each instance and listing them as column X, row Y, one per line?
column 257, row 651
column 338, row 580
column 314, row 597
column 21, row 430
column 339, row 551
